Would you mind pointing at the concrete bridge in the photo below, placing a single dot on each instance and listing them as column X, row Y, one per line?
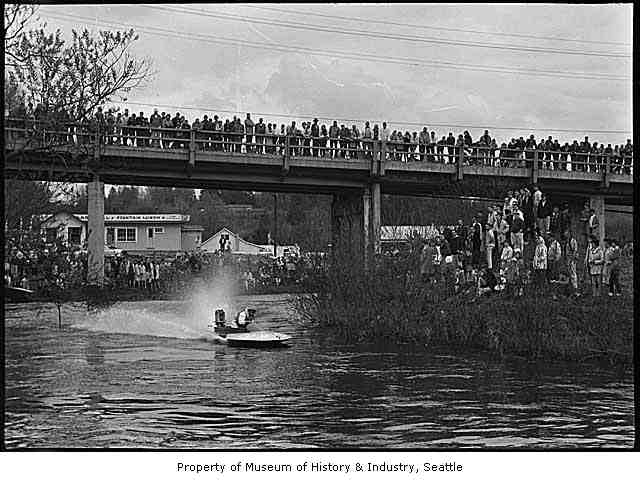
column 356, row 179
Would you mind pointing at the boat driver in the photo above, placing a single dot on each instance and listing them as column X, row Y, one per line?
column 242, row 318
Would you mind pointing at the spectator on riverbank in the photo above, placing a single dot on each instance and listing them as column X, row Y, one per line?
column 611, row 272
column 554, row 256
column 594, row 260
column 571, row 255
column 540, row 263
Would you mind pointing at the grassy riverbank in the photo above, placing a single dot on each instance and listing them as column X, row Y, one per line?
column 391, row 305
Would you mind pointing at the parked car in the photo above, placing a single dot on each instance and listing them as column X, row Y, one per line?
column 108, row 251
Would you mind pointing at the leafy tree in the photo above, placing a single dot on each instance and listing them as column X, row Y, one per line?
column 16, row 19
column 79, row 75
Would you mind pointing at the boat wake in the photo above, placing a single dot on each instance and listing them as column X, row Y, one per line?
column 171, row 319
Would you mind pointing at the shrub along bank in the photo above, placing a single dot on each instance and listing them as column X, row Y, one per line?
column 391, row 304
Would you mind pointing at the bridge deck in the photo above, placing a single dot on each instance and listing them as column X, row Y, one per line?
column 291, row 167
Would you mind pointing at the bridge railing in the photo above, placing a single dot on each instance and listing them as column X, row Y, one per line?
column 61, row 133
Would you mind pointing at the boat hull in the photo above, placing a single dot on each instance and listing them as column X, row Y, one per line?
column 17, row 295
column 257, row 339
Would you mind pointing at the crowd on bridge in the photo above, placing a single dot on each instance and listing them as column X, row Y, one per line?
column 313, row 139
column 525, row 241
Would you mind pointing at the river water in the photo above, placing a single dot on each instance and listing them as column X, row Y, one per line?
column 140, row 375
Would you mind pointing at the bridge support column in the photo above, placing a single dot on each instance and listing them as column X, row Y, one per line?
column 95, row 235
column 355, row 224
column 366, row 226
column 376, row 202
column 597, row 204
column 347, row 226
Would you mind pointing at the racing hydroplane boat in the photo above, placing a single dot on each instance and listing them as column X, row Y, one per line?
column 236, row 333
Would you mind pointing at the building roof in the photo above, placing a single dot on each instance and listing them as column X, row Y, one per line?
column 234, row 234
column 192, row 227
column 127, row 218
column 403, row 233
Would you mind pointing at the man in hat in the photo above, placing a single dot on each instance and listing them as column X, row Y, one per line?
column 261, row 129
column 155, row 122
column 315, row 137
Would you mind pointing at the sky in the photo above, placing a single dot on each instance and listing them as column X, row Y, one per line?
column 201, row 72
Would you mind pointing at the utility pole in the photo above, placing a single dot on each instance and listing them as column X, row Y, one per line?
column 275, row 225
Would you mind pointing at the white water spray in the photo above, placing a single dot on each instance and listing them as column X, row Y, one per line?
column 173, row 319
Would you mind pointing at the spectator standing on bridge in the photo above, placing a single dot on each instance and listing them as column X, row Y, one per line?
column 344, row 141
column 155, row 122
column 334, row 134
column 451, row 143
column 324, row 139
column 248, row 128
column 583, row 160
column 355, row 141
column 406, row 146
column 197, row 127
column 239, row 134
column 432, row 147
column 485, row 144
column 556, row 154
column 414, row 148
column 260, row 130
column 217, row 134
column 367, row 145
column 292, row 134
column 608, row 154
column 530, row 146
column 110, row 126
column 564, row 154
column 207, row 126
column 165, row 135
column 315, row 137
column 385, row 137
column 123, row 123
column 272, row 138
column 306, row 139
column 423, row 142
column 145, row 124
column 185, row 128
column 627, row 157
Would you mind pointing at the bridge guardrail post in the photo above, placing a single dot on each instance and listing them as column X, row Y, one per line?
column 96, row 147
column 383, row 157
column 459, row 161
column 534, row 165
column 287, row 155
column 606, row 177
column 374, row 166
column 192, row 148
